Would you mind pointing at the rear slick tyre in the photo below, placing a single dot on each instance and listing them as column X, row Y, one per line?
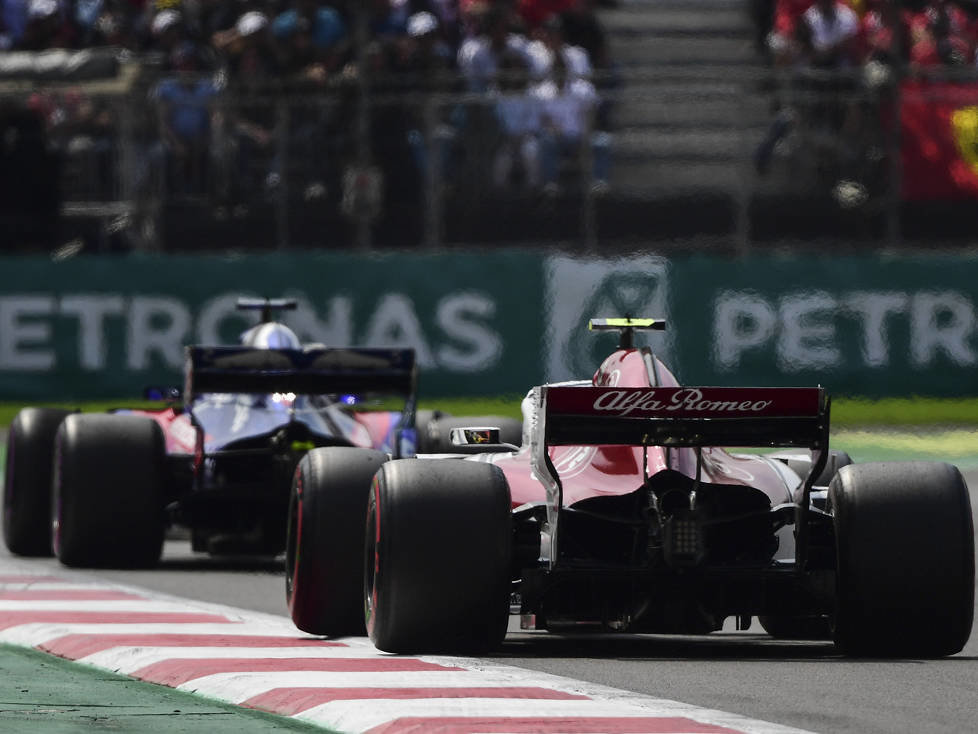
column 325, row 539
column 109, row 484
column 439, row 544
column 27, row 481
column 905, row 579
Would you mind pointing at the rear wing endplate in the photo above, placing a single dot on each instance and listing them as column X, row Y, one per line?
column 306, row 372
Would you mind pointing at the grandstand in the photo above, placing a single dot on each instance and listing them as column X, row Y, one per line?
column 700, row 97
column 691, row 96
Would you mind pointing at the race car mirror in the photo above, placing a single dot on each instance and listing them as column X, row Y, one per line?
column 474, row 436
column 158, row 393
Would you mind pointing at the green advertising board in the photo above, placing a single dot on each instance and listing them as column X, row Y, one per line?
column 492, row 323
column 107, row 327
column 868, row 326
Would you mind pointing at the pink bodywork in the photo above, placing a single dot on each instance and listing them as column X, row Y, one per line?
column 592, row 471
column 181, row 436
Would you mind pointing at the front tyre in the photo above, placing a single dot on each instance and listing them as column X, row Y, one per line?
column 27, row 480
column 108, row 491
column 439, row 543
column 325, row 539
column 905, row 559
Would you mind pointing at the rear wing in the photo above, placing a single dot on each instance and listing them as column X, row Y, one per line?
column 684, row 416
column 303, row 371
column 677, row 416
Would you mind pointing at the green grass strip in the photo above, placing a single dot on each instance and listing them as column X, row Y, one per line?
column 846, row 412
column 957, row 446
column 892, row 429
column 912, row 411
column 506, row 406
column 44, row 694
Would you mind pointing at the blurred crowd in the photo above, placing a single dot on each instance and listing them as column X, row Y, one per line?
column 827, row 34
column 527, row 68
column 841, row 60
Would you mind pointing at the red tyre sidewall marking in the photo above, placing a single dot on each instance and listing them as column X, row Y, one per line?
column 374, row 505
column 298, row 539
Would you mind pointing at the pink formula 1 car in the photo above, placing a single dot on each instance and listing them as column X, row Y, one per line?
column 623, row 511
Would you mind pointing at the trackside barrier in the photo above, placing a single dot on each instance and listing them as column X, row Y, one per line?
column 496, row 323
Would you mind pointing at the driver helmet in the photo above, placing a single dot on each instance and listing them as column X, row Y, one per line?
column 271, row 335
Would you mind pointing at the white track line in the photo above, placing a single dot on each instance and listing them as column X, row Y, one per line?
column 87, row 605
column 128, row 659
column 238, row 687
column 35, row 634
column 363, row 715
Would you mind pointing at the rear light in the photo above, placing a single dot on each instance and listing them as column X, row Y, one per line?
column 682, row 536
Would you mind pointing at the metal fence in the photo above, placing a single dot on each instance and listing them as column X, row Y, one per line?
column 185, row 165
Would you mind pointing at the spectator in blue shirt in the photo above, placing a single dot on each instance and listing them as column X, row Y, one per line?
column 185, row 104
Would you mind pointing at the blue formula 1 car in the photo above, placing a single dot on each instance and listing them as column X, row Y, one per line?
column 101, row 489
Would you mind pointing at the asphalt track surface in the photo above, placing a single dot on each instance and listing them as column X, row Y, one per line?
column 805, row 685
